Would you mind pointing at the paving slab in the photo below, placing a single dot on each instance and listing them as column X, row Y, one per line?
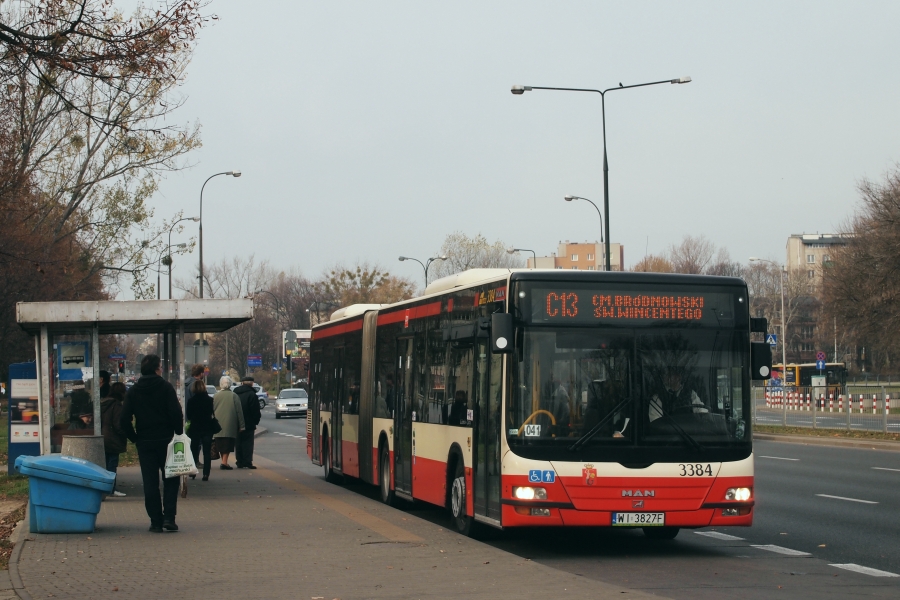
column 280, row 533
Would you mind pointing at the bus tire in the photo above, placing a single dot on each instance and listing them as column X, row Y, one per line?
column 458, row 500
column 384, row 477
column 660, row 533
column 330, row 475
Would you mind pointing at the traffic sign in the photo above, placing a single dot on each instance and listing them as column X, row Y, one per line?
column 820, row 356
column 117, row 357
column 820, row 364
column 254, row 360
column 772, row 339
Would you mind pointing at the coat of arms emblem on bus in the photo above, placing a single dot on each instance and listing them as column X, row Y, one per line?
column 589, row 473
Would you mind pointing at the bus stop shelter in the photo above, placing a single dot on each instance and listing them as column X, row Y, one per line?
column 47, row 321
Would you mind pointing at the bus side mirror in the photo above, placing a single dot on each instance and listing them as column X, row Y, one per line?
column 502, row 333
column 760, row 361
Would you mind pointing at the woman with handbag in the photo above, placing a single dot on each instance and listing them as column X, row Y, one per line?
column 203, row 424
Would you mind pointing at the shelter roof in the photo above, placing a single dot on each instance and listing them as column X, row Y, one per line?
column 208, row 315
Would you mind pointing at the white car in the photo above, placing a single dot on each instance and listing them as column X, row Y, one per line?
column 292, row 402
column 262, row 394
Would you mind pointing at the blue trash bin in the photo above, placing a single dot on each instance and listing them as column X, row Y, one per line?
column 64, row 492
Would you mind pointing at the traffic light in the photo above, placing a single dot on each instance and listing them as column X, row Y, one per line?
column 121, row 366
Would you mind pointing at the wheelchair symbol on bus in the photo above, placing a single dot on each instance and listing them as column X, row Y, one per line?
column 537, row 476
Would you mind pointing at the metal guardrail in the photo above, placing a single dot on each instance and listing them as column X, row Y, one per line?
column 827, row 408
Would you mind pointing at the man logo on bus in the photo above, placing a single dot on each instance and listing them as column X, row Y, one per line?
column 589, row 473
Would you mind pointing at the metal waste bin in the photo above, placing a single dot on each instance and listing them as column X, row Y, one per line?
column 64, row 492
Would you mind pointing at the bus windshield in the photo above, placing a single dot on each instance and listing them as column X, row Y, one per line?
column 629, row 394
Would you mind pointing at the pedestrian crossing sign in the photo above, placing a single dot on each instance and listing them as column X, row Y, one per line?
column 772, row 339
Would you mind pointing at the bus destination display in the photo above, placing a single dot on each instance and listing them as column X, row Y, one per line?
column 592, row 306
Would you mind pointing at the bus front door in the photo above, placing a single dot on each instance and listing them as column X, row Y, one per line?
column 337, row 416
column 486, row 452
column 403, row 417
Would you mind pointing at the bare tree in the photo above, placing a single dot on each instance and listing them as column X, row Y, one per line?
column 860, row 284
column 693, row 255
column 653, row 264
column 464, row 253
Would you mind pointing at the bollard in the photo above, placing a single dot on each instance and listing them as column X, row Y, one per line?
column 88, row 447
column 874, row 404
column 887, row 409
column 830, row 401
column 808, row 400
column 840, row 403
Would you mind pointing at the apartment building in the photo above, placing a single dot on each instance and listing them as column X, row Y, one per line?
column 807, row 252
column 581, row 256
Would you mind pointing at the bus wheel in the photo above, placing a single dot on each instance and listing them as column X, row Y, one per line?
column 384, row 477
column 660, row 533
column 461, row 522
column 330, row 475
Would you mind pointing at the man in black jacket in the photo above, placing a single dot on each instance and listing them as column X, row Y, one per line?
column 252, row 416
column 157, row 414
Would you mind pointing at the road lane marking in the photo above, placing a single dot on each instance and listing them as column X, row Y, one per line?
column 886, row 469
column 865, row 570
column 289, row 435
column 718, row 536
column 847, row 499
column 780, row 550
column 779, row 458
column 368, row 520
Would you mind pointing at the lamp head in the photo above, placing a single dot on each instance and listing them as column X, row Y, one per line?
column 234, row 173
column 195, row 219
column 682, row 80
column 402, row 258
column 754, row 259
column 511, row 250
column 442, row 257
column 518, row 90
column 182, row 245
column 570, row 198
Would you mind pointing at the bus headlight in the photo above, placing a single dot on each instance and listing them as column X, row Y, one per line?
column 529, row 493
column 740, row 494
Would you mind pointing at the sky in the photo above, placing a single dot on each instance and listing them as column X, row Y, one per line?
column 370, row 130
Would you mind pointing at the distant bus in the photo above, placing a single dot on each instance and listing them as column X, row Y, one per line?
column 800, row 375
column 546, row 398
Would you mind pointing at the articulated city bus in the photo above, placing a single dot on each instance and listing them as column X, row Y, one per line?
column 529, row 398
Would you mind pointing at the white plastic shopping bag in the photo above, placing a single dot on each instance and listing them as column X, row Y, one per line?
column 179, row 460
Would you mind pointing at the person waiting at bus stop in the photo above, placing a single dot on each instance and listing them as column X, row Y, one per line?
column 153, row 404
column 252, row 416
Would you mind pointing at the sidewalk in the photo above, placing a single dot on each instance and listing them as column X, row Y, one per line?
column 278, row 533
column 813, row 440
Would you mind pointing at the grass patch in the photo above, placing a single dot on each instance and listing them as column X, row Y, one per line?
column 13, row 487
column 130, row 457
column 827, row 433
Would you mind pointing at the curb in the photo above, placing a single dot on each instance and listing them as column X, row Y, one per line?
column 259, row 431
column 824, row 441
column 14, row 577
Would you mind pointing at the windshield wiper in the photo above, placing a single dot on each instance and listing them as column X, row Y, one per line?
column 596, row 428
column 684, row 434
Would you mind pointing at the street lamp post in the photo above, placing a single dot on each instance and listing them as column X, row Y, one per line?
column 233, row 174
column 426, row 265
column 783, row 320
column 518, row 90
column 606, row 262
column 169, row 247
column 533, row 253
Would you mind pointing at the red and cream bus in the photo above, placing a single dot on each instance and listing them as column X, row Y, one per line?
column 529, row 398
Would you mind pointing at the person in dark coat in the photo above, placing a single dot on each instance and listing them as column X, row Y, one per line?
column 115, row 441
column 81, row 407
column 153, row 404
column 252, row 416
column 200, row 413
column 104, row 384
column 197, row 373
